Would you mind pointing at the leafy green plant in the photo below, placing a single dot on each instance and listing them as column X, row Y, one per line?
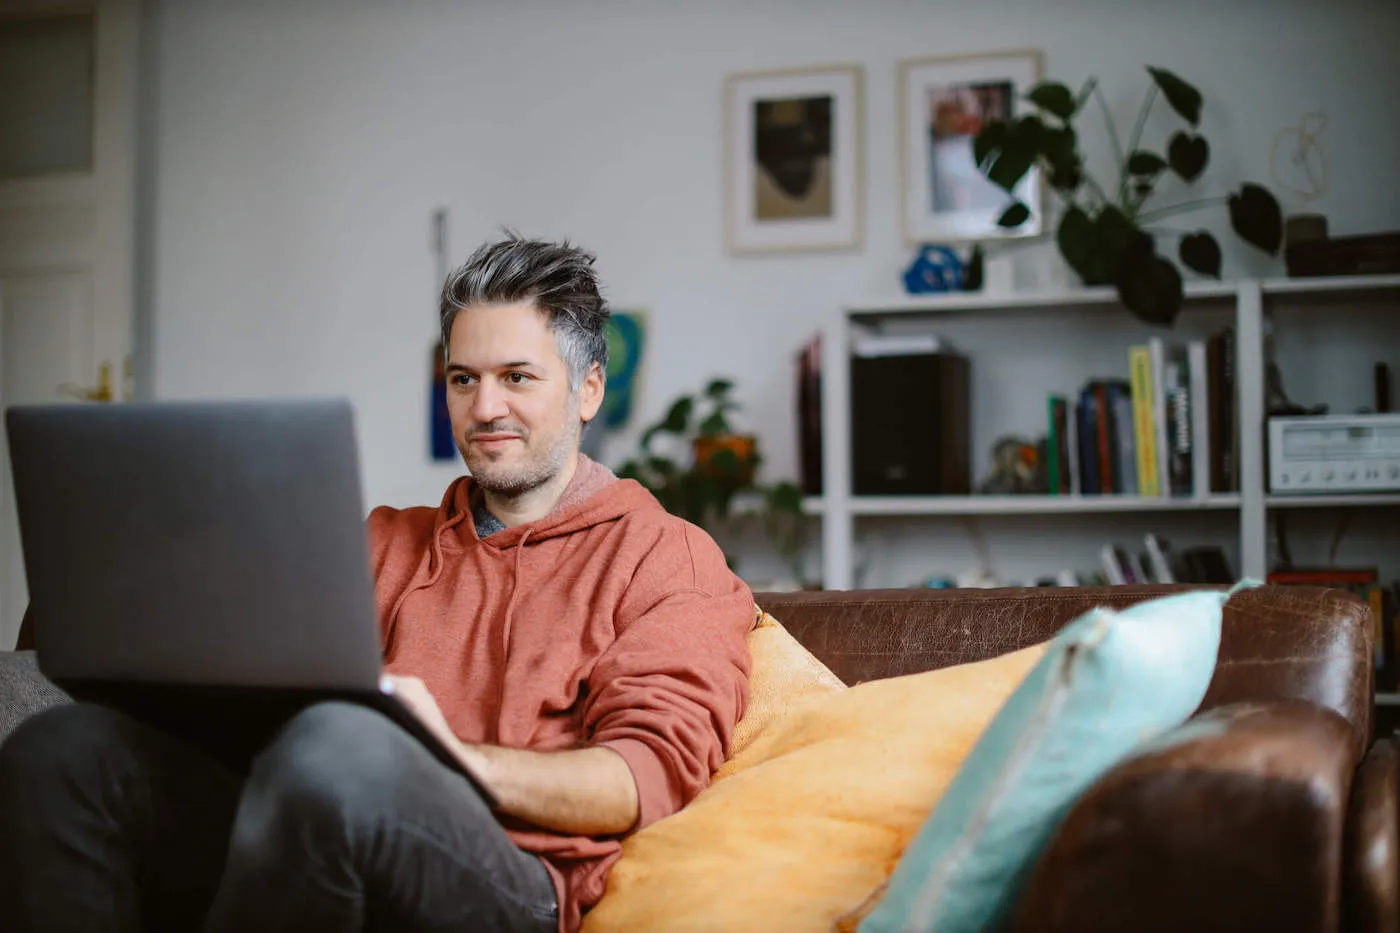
column 1104, row 235
column 701, row 488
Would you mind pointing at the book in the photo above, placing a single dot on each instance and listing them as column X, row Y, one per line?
column 1157, row 351
column 1144, row 431
column 1112, row 568
column 1157, row 557
column 1176, row 393
column 1088, row 444
column 1103, row 437
column 1125, row 473
column 1200, row 418
column 1058, row 478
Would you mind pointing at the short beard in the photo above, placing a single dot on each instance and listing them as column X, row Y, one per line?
column 512, row 485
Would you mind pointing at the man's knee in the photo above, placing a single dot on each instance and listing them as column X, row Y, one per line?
column 330, row 766
column 59, row 740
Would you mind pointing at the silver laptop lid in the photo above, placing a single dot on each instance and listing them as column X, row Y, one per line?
column 201, row 542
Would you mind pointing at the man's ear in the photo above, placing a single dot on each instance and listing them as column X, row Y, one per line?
column 590, row 394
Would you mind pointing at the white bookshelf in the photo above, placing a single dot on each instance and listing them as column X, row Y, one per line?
column 1036, row 318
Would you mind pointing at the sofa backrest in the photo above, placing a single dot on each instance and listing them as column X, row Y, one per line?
column 1278, row 642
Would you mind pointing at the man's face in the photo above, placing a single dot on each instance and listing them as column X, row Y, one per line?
column 516, row 421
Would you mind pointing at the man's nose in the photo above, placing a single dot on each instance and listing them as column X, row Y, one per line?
column 488, row 402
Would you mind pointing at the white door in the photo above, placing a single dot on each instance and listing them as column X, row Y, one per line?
column 67, row 237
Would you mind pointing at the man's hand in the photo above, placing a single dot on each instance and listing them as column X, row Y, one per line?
column 588, row 791
column 414, row 694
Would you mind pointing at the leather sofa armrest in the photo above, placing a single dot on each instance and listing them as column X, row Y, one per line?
column 1231, row 822
column 1371, row 875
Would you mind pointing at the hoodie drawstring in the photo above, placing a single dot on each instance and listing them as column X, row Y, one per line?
column 514, row 592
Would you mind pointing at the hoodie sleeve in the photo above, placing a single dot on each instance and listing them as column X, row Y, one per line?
column 667, row 693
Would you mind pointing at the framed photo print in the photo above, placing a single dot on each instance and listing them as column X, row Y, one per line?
column 943, row 103
column 793, row 159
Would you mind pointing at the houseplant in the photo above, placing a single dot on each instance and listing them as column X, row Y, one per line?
column 708, row 464
column 1105, row 235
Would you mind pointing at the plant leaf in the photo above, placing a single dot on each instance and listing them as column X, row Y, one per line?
column 678, row 417
column 1015, row 215
column 1018, row 152
column 1143, row 162
column 1059, row 146
column 718, row 388
column 1150, row 287
column 1053, row 97
column 1075, row 238
column 1256, row 217
column 1188, row 155
column 1118, row 236
column 1200, row 252
column 785, row 497
column 1184, row 98
column 989, row 140
column 713, row 425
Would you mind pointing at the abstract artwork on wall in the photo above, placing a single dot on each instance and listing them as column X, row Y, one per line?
column 943, row 104
column 626, row 335
column 793, row 160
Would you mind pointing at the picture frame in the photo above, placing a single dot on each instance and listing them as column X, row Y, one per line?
column 793, row 159
column 944, row 197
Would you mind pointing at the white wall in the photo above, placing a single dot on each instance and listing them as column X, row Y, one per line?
column 300, row 146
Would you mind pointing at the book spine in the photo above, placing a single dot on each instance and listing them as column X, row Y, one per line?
column 1088, row 442
column 1103, row 425
column 1157, row 350
column 1062, row 427
column 1200, row 419
column 1178, row 406
column 1052, row 448
column 1124, row 435
column 1145, row 433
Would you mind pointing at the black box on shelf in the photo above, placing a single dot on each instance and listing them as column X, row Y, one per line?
column 910, row 425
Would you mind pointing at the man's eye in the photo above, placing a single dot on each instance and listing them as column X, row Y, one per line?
column 517, row 378
column 461, row 379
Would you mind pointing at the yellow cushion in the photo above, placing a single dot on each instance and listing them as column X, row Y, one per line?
column 783, row 675
column 811, row 814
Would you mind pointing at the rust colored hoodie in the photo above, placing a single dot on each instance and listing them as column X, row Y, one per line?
column 607, row 622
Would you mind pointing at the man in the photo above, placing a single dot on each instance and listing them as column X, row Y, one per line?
column 576, row 646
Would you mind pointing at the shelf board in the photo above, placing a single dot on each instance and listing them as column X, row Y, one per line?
column 1388, row 699
column 954, row 302
column 1033, row 505
column 1332, row 286
column 1332, row 500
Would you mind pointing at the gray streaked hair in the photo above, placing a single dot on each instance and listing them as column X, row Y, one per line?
column 557, row 277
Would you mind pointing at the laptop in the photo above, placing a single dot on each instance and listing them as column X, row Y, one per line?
column 202, row 565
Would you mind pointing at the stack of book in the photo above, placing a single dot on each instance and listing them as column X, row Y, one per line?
column 1171, row 429
column 1158, row 563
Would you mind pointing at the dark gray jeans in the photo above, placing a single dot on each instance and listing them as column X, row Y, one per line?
column 343, row 822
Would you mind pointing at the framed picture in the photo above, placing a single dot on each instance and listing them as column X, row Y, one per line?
column 943, row 103
column 793, row 159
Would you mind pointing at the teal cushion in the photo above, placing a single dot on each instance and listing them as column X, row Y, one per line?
column 1109, row 681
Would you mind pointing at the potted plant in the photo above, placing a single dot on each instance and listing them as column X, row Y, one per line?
column 1106, row 235
column 718, row 465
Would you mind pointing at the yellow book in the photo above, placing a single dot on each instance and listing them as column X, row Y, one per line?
column 1144, row 424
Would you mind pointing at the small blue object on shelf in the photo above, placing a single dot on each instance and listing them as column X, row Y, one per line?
column 934, row 269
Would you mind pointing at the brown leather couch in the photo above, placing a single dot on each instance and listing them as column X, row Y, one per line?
column 1274, row 810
